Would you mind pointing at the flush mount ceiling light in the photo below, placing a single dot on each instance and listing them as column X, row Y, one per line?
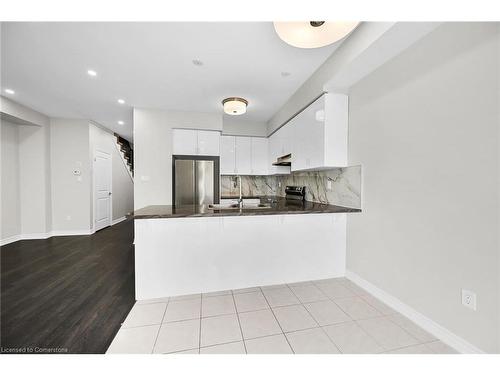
column 10, row 91
column 235, row 106
column 91, row 73
column 121, row 101
column 313, row 34
column 120, row 122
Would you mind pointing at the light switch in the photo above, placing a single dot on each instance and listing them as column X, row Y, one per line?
column 144, row 178
column 329, row 185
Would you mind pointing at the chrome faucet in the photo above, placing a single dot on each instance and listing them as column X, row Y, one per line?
column 240, row 199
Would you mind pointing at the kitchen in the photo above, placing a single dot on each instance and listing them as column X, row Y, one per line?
column 194, row 193
column 214, row 226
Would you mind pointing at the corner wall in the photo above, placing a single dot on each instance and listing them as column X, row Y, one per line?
column 71, row 195
column 10, row 225
column 153, row 150
column 425, row 128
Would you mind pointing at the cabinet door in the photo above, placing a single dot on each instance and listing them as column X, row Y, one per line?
column 308, row 138
column 208, row 143
column 227, row 155
column 299, row 139
column 259, row 156
column 243, row 155
column 273, row 147
column 315, row 146
column 184, row 142
column 286, row 138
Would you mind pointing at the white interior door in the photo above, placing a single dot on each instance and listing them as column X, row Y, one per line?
column 102, row 190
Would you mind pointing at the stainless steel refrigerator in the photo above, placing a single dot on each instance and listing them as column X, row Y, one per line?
column 195, row 180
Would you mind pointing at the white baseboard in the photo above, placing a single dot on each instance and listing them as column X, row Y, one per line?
column 443, row 334
column 8, row 240
column 79, row 232
column 36, row 236
column 119, row 220
column 44, row 236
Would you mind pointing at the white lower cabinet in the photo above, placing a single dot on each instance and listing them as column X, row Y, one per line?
column 171, row 256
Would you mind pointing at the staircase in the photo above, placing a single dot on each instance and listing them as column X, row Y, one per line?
column 127, row 153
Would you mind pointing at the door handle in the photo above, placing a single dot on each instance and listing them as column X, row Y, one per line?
column 109, row 193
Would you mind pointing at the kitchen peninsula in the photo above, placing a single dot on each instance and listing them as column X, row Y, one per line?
column 196, row 249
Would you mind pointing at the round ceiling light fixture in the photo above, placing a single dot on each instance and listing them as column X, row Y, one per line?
column 235, row 106
column 313, row 34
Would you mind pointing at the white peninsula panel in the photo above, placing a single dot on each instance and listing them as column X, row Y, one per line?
column 175, row 256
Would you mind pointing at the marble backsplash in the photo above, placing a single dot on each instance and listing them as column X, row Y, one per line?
column 345, row 189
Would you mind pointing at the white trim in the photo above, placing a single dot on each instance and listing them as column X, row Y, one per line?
column 418, row 318
column 44, row 236
column 36, row 236
column 119, row 220
column 8, row 240
column 79, row 232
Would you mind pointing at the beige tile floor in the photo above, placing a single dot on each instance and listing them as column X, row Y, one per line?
column 315, row 317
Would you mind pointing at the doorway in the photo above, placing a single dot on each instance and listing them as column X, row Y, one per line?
column 102, row 190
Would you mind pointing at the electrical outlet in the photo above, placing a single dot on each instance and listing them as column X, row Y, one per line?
column 469, row 299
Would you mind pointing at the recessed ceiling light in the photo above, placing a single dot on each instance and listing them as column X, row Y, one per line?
column 91, row 73
column 121, row 101
column 10, row 91
column 313, row 34
column 285, row 74
column 197, row 62
column 120, row 122
column 235, row 106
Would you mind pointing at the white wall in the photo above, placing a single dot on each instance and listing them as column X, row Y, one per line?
column 22, row 113
column 34, row 179
column 71, row 195
column 236, row 126
column 153, row 150
column 122, row 183
column 10, row 225
column 31, row 188
column 425, row 128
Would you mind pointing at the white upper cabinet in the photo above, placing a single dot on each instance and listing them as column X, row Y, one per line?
column 244, row 156
column 195, row 142
column 208, row 142
column 316, row 138
column 227, row 155
column 260, row 159
column 243, row 147
column 320, row 134
column 281, row 142
column 185, row 142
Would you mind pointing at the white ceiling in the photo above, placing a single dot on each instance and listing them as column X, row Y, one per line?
column 150, row 65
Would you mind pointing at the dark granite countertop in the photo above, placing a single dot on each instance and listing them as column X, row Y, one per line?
column 280, row 206
column 244, row 197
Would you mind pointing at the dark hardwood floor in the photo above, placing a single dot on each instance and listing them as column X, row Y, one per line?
column 69, row 292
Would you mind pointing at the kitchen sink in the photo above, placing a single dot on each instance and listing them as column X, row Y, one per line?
column 234, row 206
